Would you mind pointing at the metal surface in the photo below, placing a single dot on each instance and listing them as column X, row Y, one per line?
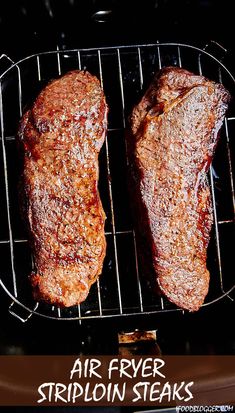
column 124, row 72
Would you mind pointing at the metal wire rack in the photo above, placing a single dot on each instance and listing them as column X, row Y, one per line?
column 124, row 73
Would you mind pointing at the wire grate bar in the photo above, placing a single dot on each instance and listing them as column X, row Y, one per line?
column 79, row 60
column 143, row 303
column 119, row 232
column 100, row 69
column 199, row 64
column 216, row 229
column 39, row 69
column 113, row 226
column 79, row 310
column 79, row 313
column 115, row 129
column 140, row 69
column 121, row 87
column 159, row 57
column 99, row 297
column 228, row 221
column 19, row 91
column 7, row 194
column 218, row 246
column 7, row 241
column 137, row 274
column 179, row 56
column 140, row 294
column 58, row 61
column 230, row 164
column 18, row 241
column 9, row 138
column 111, row 205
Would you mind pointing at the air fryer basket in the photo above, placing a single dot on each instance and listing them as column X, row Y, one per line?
column 124, row 72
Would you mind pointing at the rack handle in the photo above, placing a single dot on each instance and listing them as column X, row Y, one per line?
column 5, row 63
column 20, row 312
column 216, row 49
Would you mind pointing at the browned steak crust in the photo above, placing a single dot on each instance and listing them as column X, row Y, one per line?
column 174, row 131
column 61, row 136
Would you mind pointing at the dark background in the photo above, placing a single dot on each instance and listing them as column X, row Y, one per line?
column 30, row 26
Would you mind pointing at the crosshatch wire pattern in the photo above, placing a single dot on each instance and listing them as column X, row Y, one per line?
column 124, row 73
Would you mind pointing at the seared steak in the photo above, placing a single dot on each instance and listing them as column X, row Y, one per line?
column 174, row 131
column 61, row 136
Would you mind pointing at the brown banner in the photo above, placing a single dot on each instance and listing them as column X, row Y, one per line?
column 113, row 381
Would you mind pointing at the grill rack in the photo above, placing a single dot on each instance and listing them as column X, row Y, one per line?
column 124, row 73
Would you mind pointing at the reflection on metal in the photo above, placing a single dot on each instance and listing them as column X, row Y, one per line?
column 101, row 16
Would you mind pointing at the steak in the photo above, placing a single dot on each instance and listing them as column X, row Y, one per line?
column 173, row 134
column 61, row 136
